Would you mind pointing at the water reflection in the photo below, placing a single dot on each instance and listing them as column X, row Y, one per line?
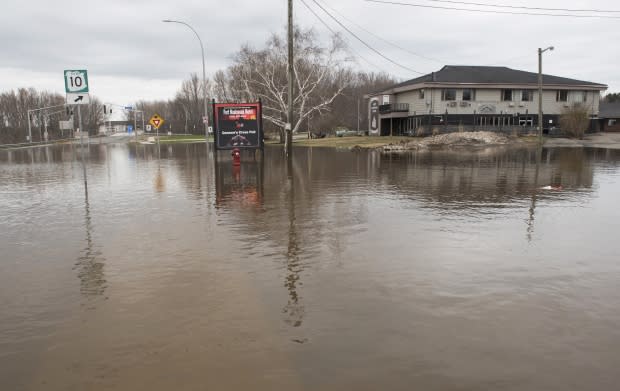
column 90, row 263
column 530, row 221
column 294, row 308
column 448, row 180
column 376, row 259
column 242, row 185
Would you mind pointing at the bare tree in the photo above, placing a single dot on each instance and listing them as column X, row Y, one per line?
column 319, row 77
column 14, row 117
column 574, row 120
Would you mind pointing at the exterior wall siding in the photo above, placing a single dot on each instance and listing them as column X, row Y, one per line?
column 491, row 99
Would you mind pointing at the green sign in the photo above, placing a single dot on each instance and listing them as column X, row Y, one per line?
column 76, row 81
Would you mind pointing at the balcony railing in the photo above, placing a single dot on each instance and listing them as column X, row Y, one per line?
column 394, row 108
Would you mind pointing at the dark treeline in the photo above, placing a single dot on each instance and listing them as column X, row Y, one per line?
column 14, row 117
column 327, row 94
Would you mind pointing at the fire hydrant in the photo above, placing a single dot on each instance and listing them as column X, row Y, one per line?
column 236, row 156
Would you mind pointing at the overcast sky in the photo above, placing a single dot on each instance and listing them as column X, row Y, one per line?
column 131, row 55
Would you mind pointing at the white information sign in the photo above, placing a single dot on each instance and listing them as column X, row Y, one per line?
column 77, row 99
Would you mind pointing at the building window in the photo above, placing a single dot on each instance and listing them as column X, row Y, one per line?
column 422, row 93
column 527, row 95
column 507, row 95
column 469, row 94
column 611, row 122
column 561, row 96
column 448, row 94
column 580, row 96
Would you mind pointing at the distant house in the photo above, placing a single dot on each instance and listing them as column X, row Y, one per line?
column 111, row 127
column 480, row 97
column 609, row 116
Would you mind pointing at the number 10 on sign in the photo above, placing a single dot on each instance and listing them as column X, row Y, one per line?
column 76, row 81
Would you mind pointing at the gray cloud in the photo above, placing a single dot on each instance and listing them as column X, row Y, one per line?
column 125, row 45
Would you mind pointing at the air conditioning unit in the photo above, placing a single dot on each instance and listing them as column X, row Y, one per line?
column 511, row 104
column 465, row 104
column 521, row 104
column 452, row 104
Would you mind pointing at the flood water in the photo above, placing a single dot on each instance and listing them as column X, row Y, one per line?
column 150, row 270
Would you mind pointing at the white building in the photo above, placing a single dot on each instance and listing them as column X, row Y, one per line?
column 477, row 97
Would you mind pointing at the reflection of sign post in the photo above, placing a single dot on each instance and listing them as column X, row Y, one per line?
column 238, row 125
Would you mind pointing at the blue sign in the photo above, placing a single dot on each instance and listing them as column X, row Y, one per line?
column 129, row 128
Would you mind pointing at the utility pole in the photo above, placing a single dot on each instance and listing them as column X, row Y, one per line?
column 540, row 96
column 540, row 93
column 288, row 141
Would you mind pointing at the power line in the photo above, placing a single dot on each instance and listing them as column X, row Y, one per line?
column 491, row 12
column 336, row 33
column 524, row 7
column 364, row 42
column 383, row 39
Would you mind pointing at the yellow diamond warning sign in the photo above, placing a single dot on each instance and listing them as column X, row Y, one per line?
column 157, row 121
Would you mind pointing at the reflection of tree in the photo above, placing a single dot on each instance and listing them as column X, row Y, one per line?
column 294, row 309
column 90, row 262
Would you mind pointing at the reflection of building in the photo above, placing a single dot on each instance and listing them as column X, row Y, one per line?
column 497, row 98
column 451, row 180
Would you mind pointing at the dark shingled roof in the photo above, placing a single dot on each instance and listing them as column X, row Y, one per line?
column 490, row 75
column 609, row 110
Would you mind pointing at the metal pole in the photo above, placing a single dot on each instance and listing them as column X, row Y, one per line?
column 288, row 142
column 29, row 128
column 540, row 96
column 204, row 75
column 80, row 128
column 135, row 124
column 358, row 115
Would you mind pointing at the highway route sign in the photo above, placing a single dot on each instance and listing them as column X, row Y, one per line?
column 148, row 128
column 76, row 81
column 76, row 87
column 157, row 121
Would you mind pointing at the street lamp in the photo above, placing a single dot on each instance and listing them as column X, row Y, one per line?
column 204, row 77
column 540, row 92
